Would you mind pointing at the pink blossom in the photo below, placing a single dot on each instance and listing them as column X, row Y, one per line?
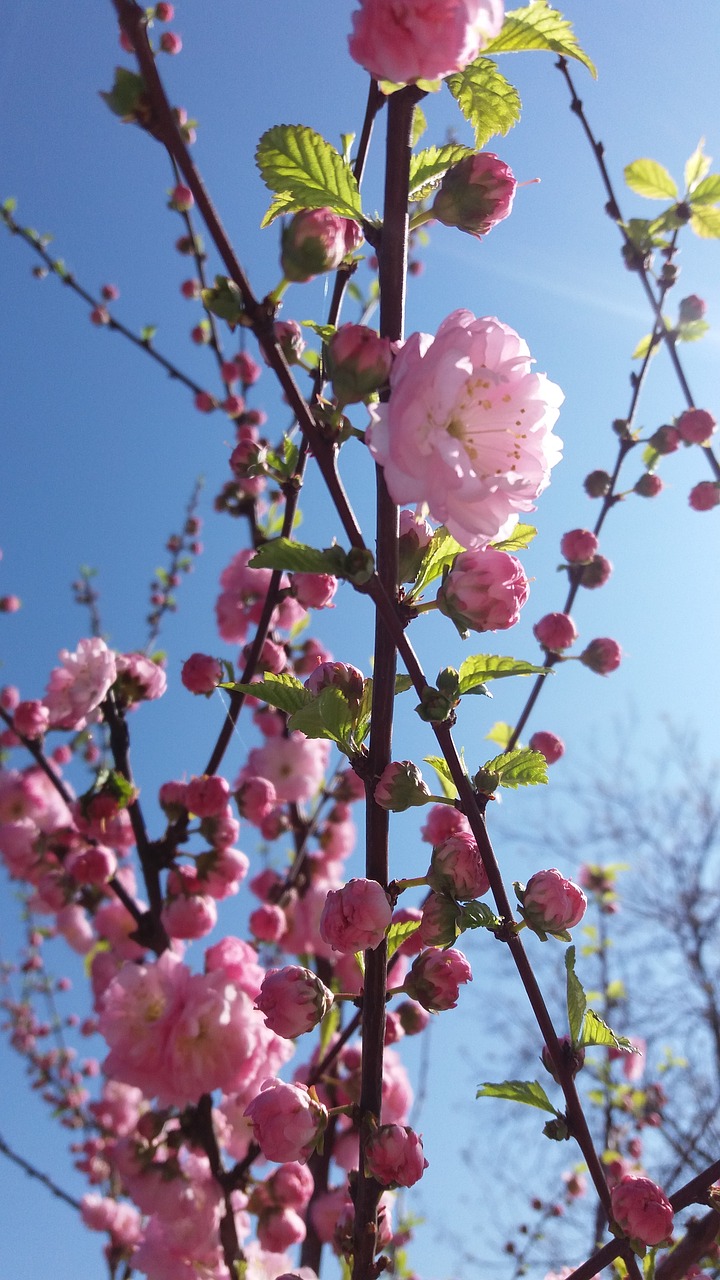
column 555, row 632
column 436, row 977
column 695, row 426
column 31, row 718
column 189, row 916
column 468, row 427
column 139, row 678
column 441, row 921
column 406, row 40
column 256, row 798
column 578, row 546
column 287, row 1121
column 394, row 1156
column 642, row 1210
column 443, row 820
column 356, row 917
column 359, row 362
column 77, row 688
column 315, row 590
column 691, row 308
column 93, row 864
column 548, row 744
column 279, row 1229
column 201, row 673
column 602, row 655
column 705, row 495
column 338, row 675
column 456, row 868
column 170, row 42
column 475, row 194
column 293, row 1000
column 484, row 591
column 551, row 903
column 268, row 923
column 238, row 961
column 207, row 796
column 315, row 241
column 400, row 787
column 295, row 765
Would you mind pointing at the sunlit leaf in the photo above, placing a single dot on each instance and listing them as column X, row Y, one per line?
column 538, row 27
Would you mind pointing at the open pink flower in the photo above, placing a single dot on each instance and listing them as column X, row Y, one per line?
column 407, row 40
column 394, row 1156
column 641, row 1208
column 356, row 917
column 293, row 1000
column 78, row 687
column 287, row 1121
column 468, row 427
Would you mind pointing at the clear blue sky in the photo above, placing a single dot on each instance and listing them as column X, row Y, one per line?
column 100, row 450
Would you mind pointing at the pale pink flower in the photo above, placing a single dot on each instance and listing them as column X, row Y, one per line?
column 394, row 1156
column 279, row 1229
column 356, row 917
column 189, row 916
column 468, row 427
column 484, row 591
column 436, row 977
column 91, row 864
column 77, row 688
column 475, row 194
column 456, row 867
column 268, row 923
column 641, row 1209
column 315, row 590
column 287, row 1121
column 442, row 821
column 207, row 795
column 31, row 718
column 407, row 40
column 295, row 765
column 293, row 1000
column 551, row 903
column 239, row 962
column 292, row 1185
column 139, row 678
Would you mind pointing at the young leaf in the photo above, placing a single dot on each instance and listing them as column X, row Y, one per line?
column 576, row 998
column 328, row 1027
column 650, row 342
column 440, row 551
column 419, row 125
column 537, row 26
column 705, row 222
column 484, row 666
column 487, row 100
column 402, row 684
column 595, row 1031
column 527, row 1091
column 439, row 764
column 519, row 768
column 521, row 537
column 429, row 166
column 398, row 933
column 692, row 330
column 707, row 191
column 147, row 333
column 696, row 167
column 501, row 732
column 284, row 692
column 650, row 179
column 477, row 915
column 298, row 165
column 283, row 553
column 362, row 717
column 326, row 716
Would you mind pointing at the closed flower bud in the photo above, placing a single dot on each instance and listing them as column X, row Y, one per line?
column 596, row 573
column 293, row 1000
column 597, row 484
column 690, row 309
column 602, row 655
column 401, row 787
column 573, row 1057
column 394, row 1156
column 356, row 917
column 436, row 977
column 441, row 921
column 548, row 744
column 315, row 241
column 555, row 632
column 705, row 496
column 358, row 362
column 551, row 904
column 287, row 1120
column 642, row 1210
column 456, row 867
column 666, row 439
column 649, row 485
column 695, row 426
column 484, row 591
column 289, row 336
column 415, row 535
column 201, row 673
column 475, row 194
column 578, row 546
column 338, row 675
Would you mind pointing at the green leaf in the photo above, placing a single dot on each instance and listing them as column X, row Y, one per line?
column 296, row 557
column 650, row 342
column 692, row 330
column 398, row 933
column 419, row 125
column 477, row 915
column 428, row 167
column 696, row 167
column 284, row 692
column 484, row 666
column 650, row 179
column 440, row 765
column 707, row 191
column 125, row 96
column 521, row 537
column 487, row 100
column 650, row 457
column 224, row 300
column 306, row 172
column 527, row 1091
column 324, row 331
column 328, row 1027
column 501, row 733
column 537, row 26
column 595, row 1031
column 147, row 333
column 705, row 222
column 402, row 684
column 576, row 998
column 363, row 714
column 440, row 552
column 9, row 205
column 327, row 716
column 519, row 768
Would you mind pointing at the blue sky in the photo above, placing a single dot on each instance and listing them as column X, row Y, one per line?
column 100, row 450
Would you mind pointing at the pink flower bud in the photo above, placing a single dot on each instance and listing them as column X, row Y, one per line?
column 358, row 361
column 190, row 289
column 548, row 744
column 441, row 922
column 192, row 916
column 31, row 718
column 602, row 656
column 595, row 574
column 100, row 315
column 170, row 42
column 415, row 534
column 456, row 868
column 207, row 796
column 293, row 1001
column 9, row 697
column 417, row 41
column 555, row 632
column 691, row 308
column 287, row 1120
column 666, row 439
column 413, row 1017
column 484, row 591
column 110, row 292
column 394, row 1156
column 436, row 977
column 268, row 923
column 204, row 402
column 201, row 673
column 705, row 495
column 314, row 590
column 94, row 864
column 578, row 546
column 356, row 917
column 475, row 194
column 597, row 484
column 315, row 241
column 642, row 1210
column 695, row 426
column 339, row 675
column 164, row 12
column 289, row 335
column 401, row 787
column 573, row 1057
column 256, row 798
column 550, row 903
column 280, row 1229
column 649, row 485
column 181, row 198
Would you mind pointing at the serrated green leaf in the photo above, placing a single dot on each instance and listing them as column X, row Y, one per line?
column 650, row 457
column 707, row 191
column 364, row 712
column 326, row 716
column 305, row 172
column 527, row 1091
column 692, row 330
column 440, row 765
column 487, row 100
column 402, row 684
column 538, row 27
column 286, row 693
column 428, row 167
column 576, row 998
column 650, row 179
column 696, row 166
column 419, row 125
column 398, row 933
column 477, row 915
column 595, row 1031
column 705, row 222
column 481, row 667
column 296, row 557
column 521, row 537
column 519, row 768
column 501, row 732
column 440, row 551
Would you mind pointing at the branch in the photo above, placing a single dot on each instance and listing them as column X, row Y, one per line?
column 38, row 1175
